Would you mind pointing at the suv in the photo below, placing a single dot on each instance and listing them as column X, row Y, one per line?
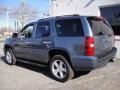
column 65, row 43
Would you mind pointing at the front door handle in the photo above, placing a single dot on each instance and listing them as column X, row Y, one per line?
column 27, row 42
column 46, row 42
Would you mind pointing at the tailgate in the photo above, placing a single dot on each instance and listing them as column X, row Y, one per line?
column 103, row 45
column 103, row 35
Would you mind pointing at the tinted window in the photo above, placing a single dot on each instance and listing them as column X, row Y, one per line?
column 100, row 27
column 40, row 27
column 69, row 27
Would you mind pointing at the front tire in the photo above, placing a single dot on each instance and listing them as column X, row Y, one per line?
column 10, row 57
column 60, row 68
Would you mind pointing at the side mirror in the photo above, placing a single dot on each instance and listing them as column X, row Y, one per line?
column 14, row 35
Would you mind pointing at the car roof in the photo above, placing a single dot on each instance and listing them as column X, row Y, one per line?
column 64, row 16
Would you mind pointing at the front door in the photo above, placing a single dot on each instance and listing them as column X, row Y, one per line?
column 23, row 43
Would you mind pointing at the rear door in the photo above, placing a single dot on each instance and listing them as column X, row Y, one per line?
column 41, row 42
column 103, row 34
column 70, row 35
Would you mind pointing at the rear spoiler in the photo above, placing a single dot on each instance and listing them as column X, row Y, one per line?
column 97, row 18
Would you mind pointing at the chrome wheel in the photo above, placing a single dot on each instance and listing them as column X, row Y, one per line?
column 59, row 69
column 9, row 57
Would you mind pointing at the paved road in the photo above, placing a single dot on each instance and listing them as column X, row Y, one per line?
column 28, row 77
column 117, row 44
column 24, row 76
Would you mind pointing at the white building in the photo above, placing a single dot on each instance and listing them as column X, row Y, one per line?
column 107, row 8
column 82, row 7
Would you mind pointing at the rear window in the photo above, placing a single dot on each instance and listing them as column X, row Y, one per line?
column 100, row 26
column 69, row 27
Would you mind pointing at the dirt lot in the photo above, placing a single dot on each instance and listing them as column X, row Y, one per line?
column 24, row 76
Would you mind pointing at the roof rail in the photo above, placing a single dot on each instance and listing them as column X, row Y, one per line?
column 68, row 15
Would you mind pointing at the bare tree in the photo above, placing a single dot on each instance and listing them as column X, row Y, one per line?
column 24, row 13
column 3, row 9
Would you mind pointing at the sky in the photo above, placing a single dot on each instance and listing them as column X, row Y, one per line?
column 40, row 5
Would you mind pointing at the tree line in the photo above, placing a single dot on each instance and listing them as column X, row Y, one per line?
column 23, row 13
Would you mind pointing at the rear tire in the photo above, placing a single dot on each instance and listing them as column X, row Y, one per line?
column 60, row 69
column 10, row 57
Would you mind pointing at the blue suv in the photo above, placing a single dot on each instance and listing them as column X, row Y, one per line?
column 65, row 44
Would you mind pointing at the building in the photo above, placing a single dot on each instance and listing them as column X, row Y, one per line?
column 110, row 9
column 6, row 31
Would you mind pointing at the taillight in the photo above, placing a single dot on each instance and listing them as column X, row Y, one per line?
column 99, row 18
column 89, row 46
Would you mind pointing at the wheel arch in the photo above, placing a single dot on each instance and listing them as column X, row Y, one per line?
column 7, row 47
column 59, row 51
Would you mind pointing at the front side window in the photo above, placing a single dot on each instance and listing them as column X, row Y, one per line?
column 69, row 27
column 42, row 29
column 26, row 32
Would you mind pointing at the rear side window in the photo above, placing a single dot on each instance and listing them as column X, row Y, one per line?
column 69, row 27
column 40, row 27
column 100, row 26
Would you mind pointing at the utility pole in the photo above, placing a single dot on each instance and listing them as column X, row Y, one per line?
column 51, row 7
column 7, row 20
column 23, row 1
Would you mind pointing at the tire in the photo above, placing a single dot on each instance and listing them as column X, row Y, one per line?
column 10, row 57
column 60, row 69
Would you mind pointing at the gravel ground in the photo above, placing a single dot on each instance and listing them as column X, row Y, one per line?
column 24, row 76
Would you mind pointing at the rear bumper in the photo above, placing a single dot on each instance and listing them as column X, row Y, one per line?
column 87, row 63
